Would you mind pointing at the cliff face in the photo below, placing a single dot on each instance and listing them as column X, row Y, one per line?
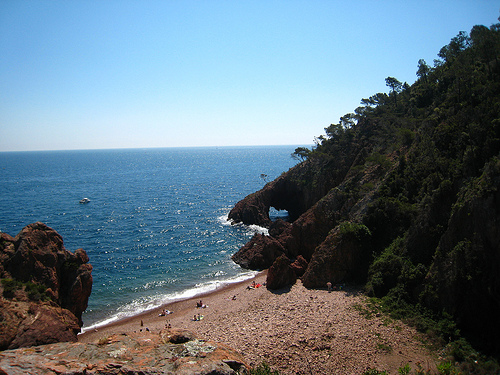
column 402, row 195
column 453, row 262
column 45, row 288
column 314, row 235
column 465, row 275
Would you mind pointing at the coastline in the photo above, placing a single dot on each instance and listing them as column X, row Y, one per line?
column 296, row 330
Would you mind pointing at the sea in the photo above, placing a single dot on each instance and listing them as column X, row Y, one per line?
column 155, row 227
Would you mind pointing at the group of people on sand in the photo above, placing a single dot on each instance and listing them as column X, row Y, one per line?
column 331, row 287
column 254, row 285
column 165, row 312
column 197, row 318
column 201, row 305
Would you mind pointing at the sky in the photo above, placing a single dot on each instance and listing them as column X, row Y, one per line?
column 181, row 73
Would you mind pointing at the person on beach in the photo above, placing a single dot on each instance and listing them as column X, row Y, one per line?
column 329, row 286
column 201, row 305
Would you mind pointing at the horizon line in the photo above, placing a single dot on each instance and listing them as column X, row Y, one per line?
column 155, row 147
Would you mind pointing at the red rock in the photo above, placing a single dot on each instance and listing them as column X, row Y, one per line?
column 136, row 353
column 341, row 257
column 299, row 266
column 280, row 274
column 37, row 255
column 259, row 253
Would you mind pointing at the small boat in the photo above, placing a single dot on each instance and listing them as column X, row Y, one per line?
column 84, row 200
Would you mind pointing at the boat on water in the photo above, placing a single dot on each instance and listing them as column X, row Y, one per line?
column 84, row 200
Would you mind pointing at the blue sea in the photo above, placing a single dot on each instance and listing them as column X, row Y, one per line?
column 156, row 226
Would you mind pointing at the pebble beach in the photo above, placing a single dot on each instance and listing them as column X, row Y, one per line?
column 294, row 331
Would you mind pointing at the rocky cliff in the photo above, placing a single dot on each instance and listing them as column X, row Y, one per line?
column 400, row 196
column 44, row 288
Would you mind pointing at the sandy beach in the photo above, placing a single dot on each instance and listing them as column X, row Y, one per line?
column 296, row 331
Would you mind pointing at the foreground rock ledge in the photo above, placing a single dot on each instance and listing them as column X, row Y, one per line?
column 168, row 352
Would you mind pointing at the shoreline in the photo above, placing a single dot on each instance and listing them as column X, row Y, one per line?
column 115, row 319
column 179, row 309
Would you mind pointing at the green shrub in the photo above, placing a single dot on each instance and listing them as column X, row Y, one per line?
column 373, row 371
column 36, row 292
column 10, row 287
column 356, row 231
column 263, row 369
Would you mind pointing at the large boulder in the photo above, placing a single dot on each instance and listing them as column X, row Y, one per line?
column 32, row 324
column 45, row 286
column 343, row 256
column 280, row 274
column 133, row 353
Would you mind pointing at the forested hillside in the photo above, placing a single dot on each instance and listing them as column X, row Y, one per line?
column 407, row 187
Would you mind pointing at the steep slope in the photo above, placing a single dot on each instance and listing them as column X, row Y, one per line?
column 402, row 194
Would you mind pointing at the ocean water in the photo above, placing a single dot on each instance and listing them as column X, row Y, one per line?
column 156, row 226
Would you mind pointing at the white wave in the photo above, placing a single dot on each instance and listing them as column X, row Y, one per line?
column 224, row 220
column 141, row 305
column 251, row 229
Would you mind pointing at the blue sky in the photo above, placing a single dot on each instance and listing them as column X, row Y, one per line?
column 121, row 74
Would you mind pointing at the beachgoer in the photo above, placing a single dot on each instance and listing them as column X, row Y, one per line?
column 329, row 286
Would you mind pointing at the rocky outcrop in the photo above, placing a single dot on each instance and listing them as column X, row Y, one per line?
column 169, row 352
column 343, row 255
column 295, row 191
column 259, row 253
column 281, row 273
column 309, row 240
column 45, row 288
column 31, row 324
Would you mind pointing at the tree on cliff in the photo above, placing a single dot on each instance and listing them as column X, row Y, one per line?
column 395, row 86
column 301, row 153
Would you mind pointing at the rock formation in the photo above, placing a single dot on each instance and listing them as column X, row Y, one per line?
column 288, row 192
column 313, row 237
column 168, row 352
column 259, row 253
column 281, row 273
column 45, row 288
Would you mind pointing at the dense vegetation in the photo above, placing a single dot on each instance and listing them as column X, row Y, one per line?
column 436, row 148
